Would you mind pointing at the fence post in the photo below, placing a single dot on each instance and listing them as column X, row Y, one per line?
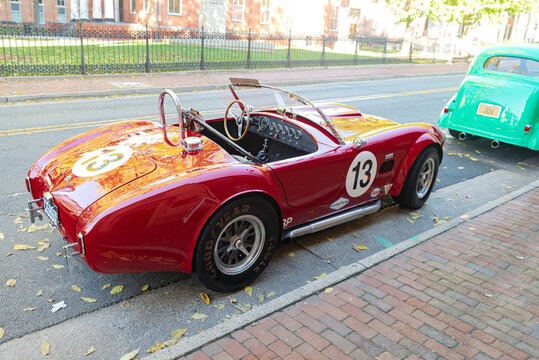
column 83, row 65
column 410, row 54
column 202, row 63
column 355, row 52
column 288, row 54
column 148, row 67
column 323, row 58
column 249, row 49
column 384, row 54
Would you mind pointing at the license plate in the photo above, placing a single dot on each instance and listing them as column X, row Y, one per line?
column 50, row 209
column 489, row 110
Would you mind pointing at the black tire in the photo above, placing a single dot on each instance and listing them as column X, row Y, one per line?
column 454, row 133
column 236, row 244
column 416, row 189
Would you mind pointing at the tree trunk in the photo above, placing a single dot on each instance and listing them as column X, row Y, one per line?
column 36, row 13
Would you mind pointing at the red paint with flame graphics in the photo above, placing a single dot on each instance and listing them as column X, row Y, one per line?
column 131, row 202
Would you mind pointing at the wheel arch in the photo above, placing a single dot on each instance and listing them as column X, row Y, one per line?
column 423, row 143
column 263, row 195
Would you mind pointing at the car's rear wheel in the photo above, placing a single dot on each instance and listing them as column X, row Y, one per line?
column 236, row 244
column 420, row 179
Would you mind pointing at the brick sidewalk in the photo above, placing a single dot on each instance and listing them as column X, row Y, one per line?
column 13, row 86
column 469, row 293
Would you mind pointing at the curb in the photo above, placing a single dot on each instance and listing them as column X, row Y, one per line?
column 179, row 89
column 219, row 331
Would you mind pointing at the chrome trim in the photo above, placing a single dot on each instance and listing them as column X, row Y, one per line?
column 34, row 210
column 82, row 246
column 66, row 255
column 495, row 144
column 463, row 136
column 29, row 184
column 334, row 220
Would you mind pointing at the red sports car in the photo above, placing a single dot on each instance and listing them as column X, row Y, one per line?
column 215, row 197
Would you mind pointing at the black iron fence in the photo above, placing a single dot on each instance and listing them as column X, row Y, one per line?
column 87, row 48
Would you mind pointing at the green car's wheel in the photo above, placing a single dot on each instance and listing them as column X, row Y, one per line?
column 420, row 180
column 236, row 244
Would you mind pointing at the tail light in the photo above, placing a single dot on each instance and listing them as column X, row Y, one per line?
column 527, row 128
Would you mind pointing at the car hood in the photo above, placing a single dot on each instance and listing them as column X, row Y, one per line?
column 86, row 168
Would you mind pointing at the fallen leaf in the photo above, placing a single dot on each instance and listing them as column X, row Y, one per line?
column 18, row 220
column 319, row 276
column 460, row 167
column 11, row 282
column 43, row 258
column 290, row 254
column 472, row 158
column 330, row 239
column 271, row 294
column 130, row 355
column 117, row 289
column 477, row 151
column 90, row 350
column 2, row 332
column 105, row 286
column 205, row 297
column 16, row 194
column 328, row 290
column 58, row 254
column 410, row 220
column 40, row 292
column 248, row 290
column 447, row 218
column 43, row 247
column 22, row 229
column 57, row 266
column 32, row 228
column 233, row 301
column 90, row 300
column 359, row 247
column 173, row 341
column 23, row 247
column 178, row 333
column 465, row 216
column 356, row 236
column 156, row 348
column 45, row 347
column 220, row 306
column 489, row 295
column 520, row 257
column 472, row 229
column 76, row 288
column 9, row 254
column 199, row 316
column 145, row 287
column 28, row 309
column 451, row 154
column 449, row 199
column 2, row 236
column 50, row 300
column 468, row 197
column 261, row 297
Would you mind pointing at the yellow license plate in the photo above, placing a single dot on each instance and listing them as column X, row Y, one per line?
column 489, row 110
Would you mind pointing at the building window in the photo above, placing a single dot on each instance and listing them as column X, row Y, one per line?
column 334, row 22
column 61, row 6
column 175, row 7
column 265, row 12
column 237, row 10
column 146, row 6
column 15, row 11
column 132, row 6
column 41, row 13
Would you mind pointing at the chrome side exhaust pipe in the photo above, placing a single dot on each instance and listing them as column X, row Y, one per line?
column 463, row 136
column 495, row 144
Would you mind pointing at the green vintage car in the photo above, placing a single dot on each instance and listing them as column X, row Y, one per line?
column 499, row 98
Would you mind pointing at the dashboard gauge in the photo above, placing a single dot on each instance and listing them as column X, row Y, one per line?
column 298, row 134
column 271, row 126
column 278, row 127
column 263, row 123
column 285, row 130
column 291, row 132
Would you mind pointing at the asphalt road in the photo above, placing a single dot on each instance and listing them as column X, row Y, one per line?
column 473, row 175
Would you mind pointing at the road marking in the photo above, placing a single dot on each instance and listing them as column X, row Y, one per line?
column 384, row 242
column 41, row 129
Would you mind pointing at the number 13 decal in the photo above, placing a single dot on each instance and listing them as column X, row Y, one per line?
column 361, row 174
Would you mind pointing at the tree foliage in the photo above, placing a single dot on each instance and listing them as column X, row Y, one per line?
column 466, row 12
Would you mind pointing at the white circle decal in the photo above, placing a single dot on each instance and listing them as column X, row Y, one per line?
column 361, row 174
column 102, row 160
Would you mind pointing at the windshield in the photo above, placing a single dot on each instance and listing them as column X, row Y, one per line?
column 262, row 97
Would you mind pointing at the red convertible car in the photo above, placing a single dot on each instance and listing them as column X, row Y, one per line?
column 215, row 197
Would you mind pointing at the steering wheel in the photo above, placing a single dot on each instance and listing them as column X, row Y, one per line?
column 238, row 119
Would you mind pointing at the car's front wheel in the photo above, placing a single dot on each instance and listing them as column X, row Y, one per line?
column 420, row 179
column 236, row 244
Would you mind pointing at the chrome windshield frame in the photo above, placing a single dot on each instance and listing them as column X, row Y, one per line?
column 255, row 84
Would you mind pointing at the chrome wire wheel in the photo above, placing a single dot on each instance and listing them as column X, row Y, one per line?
column 425, row 178
column 239, row 244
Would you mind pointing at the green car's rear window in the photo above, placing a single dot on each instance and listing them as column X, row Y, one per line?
column 512, row 64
